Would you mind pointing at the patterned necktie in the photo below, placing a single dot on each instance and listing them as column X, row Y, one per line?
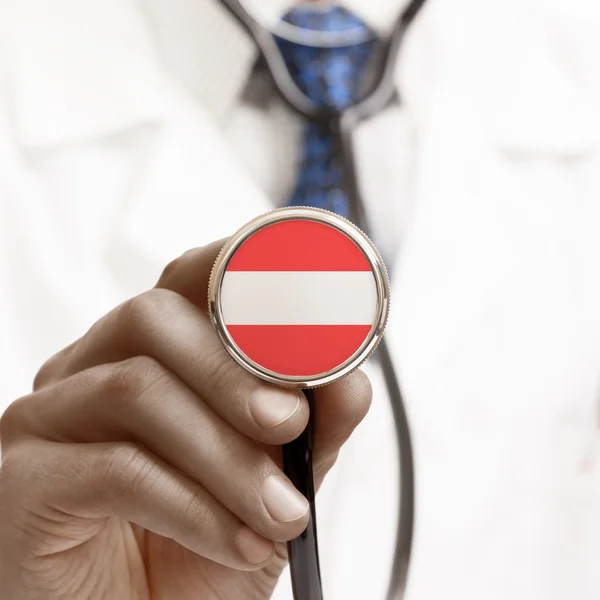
column 330, row 77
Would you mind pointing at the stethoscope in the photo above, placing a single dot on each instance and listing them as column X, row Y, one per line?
column 303, row 551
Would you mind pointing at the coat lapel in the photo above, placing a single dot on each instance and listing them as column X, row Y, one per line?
column 192, row 190
column 494, row 171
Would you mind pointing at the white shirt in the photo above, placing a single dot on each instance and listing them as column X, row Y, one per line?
column 129, row 132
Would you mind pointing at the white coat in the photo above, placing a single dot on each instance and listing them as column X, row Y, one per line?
column 129, row 132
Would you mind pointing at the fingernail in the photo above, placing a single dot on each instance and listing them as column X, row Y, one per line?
column 273, row 407
column 253, row 547
column 283, row 501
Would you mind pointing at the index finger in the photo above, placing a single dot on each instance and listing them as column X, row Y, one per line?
column 188, row 275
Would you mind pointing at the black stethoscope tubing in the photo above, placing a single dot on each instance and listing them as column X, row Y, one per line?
column 297, row 456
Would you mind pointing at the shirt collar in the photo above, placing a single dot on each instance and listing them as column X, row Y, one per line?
column 378, row 14
column 84, row 69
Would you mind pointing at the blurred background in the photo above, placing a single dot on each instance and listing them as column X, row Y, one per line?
column 133, row 130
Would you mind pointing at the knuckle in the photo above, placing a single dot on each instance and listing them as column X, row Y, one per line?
column 169, row 271
column 12, row 420
column 44, row 374
column 11, row 461
column 9, row 467
column 172, row 270
column 19, row 469
column 197, row 510
column 179, row 268
column 222, row 369
column 142, row 312
column 50, row 371
column 125, row 470
column 131, row 379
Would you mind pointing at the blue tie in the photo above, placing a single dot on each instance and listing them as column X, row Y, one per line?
column 330, row 77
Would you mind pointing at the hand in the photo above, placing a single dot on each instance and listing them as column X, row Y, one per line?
column 145, row 464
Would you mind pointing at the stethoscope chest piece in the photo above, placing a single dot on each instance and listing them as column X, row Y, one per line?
column 299, row 297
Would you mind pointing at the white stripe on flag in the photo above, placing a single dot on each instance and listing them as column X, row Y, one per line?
column 299, row 298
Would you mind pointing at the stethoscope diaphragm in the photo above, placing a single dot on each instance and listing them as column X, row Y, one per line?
column 299, row 296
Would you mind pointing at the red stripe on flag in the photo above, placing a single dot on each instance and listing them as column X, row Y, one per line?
column 298, row 350
column 298, row 245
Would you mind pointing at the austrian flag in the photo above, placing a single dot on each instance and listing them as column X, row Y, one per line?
column 299, row 298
